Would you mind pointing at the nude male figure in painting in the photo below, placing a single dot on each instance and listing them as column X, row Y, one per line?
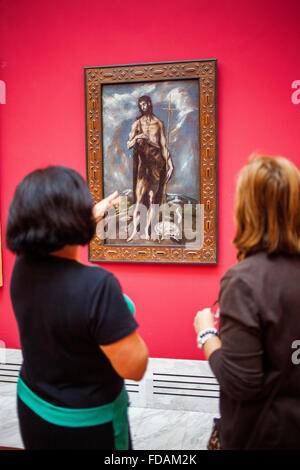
column 152, row 164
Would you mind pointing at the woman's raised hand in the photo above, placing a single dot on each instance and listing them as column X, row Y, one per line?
column 101, row 207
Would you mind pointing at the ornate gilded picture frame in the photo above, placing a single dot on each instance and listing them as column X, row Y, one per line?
column 151, row 134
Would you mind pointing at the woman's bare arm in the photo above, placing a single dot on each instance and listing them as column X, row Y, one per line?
column 129, row 356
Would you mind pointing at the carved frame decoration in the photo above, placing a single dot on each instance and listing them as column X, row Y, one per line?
column 205, row 71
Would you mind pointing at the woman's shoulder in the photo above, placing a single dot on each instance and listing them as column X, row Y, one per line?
column 246, row 266
column 92, row 279
column 95, row 273
column 241, row 282
column 254, row 268
column 80, row 272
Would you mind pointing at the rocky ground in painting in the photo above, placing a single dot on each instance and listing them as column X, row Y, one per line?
column 176, row 223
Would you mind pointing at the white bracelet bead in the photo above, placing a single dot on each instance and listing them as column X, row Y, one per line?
column 204, row 335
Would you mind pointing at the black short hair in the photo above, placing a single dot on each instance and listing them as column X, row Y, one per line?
column 51, row 208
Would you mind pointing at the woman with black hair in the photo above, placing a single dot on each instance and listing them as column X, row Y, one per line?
column 78, row 336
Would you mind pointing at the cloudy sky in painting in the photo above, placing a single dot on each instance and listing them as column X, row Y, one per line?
column 119, row 108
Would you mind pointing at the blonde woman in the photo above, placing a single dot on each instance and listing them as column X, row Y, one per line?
column 259, row 301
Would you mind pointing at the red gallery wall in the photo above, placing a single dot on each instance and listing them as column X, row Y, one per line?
column 44, row 47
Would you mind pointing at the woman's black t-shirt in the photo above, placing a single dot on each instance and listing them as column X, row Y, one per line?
column 65, row 310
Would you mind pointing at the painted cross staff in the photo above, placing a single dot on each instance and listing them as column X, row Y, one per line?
column 170, row 114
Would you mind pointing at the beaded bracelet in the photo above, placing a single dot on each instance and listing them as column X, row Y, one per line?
column 204, row 335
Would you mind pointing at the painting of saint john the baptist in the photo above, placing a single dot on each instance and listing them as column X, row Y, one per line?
column 152, row 164
column 151, row 152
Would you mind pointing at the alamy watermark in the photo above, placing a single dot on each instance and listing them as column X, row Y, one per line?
column 296, row 354
column 181, row 224
column 2, row 92
column 296, row 94
column 2, row 352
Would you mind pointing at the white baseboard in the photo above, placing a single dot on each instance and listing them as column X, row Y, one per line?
column 168, row 384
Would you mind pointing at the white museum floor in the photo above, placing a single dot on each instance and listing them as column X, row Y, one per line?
column 172, row 408
column 151, row 429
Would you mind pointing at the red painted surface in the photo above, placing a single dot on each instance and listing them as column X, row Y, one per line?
column 44, row 48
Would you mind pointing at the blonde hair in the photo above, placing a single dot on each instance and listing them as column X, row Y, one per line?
column 267, row 208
